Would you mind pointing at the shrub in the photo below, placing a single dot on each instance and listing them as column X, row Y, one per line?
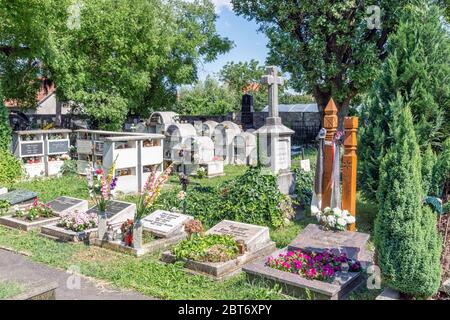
column 441, row 170
column 211, row 248
column 406, row 239
column 304, row 185
column 5, row 129
column 428, row 165
column 10, row 169
column 69, row 168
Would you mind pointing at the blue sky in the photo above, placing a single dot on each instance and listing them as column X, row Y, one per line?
column 249, row 44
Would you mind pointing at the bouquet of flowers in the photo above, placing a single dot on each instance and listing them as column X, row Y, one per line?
column 101, row 186
column 78, row 221
column 333, row 219
column 126, row 230
column 151, row 192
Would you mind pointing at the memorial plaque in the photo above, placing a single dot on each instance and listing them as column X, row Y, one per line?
column 282, row 154
column 18, row 196
column 305, row 165
column 84, row 146
column 165, row 223
column 253, row 236
column 58, row 146
column 31, row 149
column 117, row 211
column 64, row 204
column 98, row 147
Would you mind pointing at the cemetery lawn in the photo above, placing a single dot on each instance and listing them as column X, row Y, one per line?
column 148, row 275
column 9, row 289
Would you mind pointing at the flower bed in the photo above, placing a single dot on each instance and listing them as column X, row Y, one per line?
column 207, row 248
column 78, row 221
column 38, row 210
column 313, row 265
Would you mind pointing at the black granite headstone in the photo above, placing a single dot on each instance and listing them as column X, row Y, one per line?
column 113, row 208
column 58, row 146
column 63, row 203
column 18, row 196
column 31, row 149
column 247, row 112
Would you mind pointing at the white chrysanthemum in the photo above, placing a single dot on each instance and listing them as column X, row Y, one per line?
column 327, row 210
column 350, row 219
column 331, row 220
column 341, row 222
column 318, row 217
column 337, row 212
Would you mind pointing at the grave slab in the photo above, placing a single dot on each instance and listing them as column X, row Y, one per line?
column 117, row 211
column 295, row 285
column 354, row 244
column 18, row 197
column 62, row 234
column 165, row 223
column 257, row 242
column 67, row 204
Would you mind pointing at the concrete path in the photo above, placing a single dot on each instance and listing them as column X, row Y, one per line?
column 19, row 268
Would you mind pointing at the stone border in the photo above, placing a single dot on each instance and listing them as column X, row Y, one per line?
column 14, row 223
column 38, row 291
column 220, row 270
column 64, row 235
column 153, row 246
column 297, row 286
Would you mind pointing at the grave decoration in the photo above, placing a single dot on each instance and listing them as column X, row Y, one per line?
column 196, row 154
column 317, row 264
column 43, row 152
column 223, row 137
column 29, row 217
column 147, row 233
column 333, row 219
column 222, row 250
column 275, row 138
column 245, row 149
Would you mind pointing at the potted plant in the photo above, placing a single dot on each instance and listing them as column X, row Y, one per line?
column 100, row 191
column 147, row 198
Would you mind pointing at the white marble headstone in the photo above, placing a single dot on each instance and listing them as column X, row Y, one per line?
column 165, row 223
column 253, row 236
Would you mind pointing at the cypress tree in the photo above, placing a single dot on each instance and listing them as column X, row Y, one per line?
column 428, row 164
column 406, row 239
column 418, row 67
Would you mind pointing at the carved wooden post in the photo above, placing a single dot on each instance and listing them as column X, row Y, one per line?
column 330, row 123
column 349, row 166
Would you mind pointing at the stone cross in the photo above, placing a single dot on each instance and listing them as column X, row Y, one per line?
column 273, row 80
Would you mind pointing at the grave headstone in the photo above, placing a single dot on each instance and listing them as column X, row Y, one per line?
column 117, row 211
column 254, row 237
column 165, row 223
column 32, row 149
column 65, row 204
column 247, row 111
column 18, row 196
column 58, row 146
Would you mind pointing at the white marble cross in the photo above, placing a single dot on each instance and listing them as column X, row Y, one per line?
column 273, row 80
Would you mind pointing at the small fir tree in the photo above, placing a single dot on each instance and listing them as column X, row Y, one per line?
column 406, row 239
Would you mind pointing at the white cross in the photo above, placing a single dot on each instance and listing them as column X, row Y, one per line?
column 273, row 80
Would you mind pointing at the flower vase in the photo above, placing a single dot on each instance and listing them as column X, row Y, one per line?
column 137, row 234
column 102, row 225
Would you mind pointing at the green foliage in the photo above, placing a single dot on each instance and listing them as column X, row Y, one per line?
column 441, row 170
column 207, row 97
column 108, row 57
column 418, row 68
column 4, row 207
column 304, row 185
column 5, row 129
column 69, row 168
column 408, row 245
column 314, row 41
column 10, row 169
column 428, row 163
column 211, row 248
column 251, row 198
column 10, row 289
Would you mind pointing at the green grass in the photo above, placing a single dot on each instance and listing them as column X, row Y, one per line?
column 148, row 275
column 9, row 289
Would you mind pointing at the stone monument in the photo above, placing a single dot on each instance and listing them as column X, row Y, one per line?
column 275, row 138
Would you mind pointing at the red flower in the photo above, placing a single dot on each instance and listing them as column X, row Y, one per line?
column 99, row 171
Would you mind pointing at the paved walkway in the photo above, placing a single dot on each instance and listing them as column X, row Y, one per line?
column 19, row 268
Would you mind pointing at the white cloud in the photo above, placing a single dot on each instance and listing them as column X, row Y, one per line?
column 222, row 4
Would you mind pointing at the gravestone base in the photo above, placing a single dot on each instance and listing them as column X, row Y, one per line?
column 147, row 248
column 25, row 225
column 286, row 182
column 299, row 287
column 64, row 235
column 221, row 270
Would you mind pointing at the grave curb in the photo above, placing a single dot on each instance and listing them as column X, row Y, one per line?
column 64, row 235
column 11, row 222
column 220, row 270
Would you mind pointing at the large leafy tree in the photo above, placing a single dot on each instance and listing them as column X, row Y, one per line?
column 328, row 46
column 109, row 57
column 419, row 68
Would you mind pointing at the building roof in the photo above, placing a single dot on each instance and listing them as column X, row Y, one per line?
column 310, row 107
column 43, row 94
